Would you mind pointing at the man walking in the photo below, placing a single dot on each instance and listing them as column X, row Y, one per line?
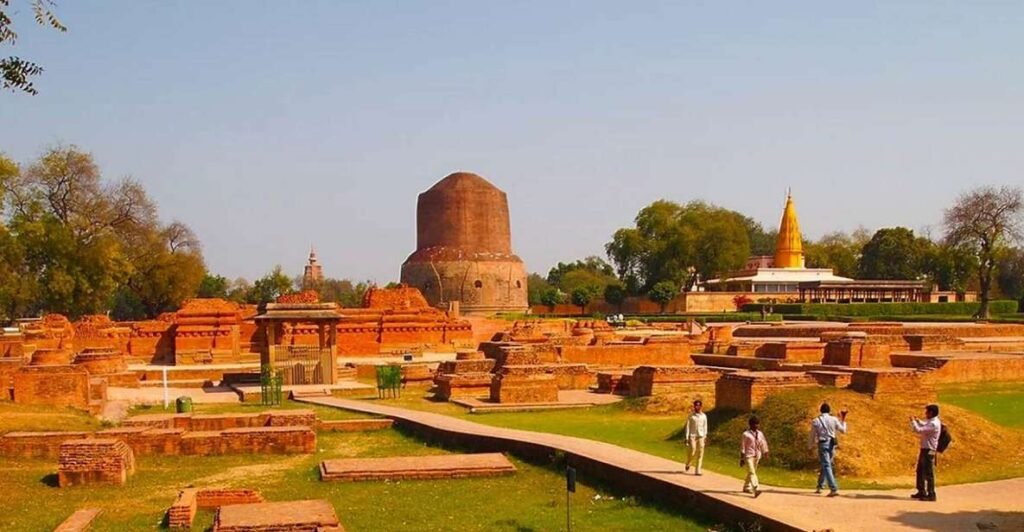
column 823, row 438
column 696, row 433
column 928, row 431
column 753, row 447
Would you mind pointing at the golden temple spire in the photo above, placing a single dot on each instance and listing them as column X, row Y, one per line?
column 789, row 248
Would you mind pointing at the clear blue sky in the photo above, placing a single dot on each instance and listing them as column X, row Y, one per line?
column 270, row 126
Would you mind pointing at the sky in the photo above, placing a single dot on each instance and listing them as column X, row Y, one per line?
column 268, row 127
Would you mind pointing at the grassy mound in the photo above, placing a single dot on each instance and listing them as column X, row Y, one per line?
column 880, row 444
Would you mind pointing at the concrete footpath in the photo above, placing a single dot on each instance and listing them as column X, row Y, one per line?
column 997, row 506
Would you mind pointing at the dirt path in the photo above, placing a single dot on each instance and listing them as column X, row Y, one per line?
column 995, row 505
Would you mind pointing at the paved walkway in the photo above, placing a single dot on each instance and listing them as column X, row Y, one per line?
column 985, row 506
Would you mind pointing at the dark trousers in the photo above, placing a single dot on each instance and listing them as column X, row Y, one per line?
column 926, row 473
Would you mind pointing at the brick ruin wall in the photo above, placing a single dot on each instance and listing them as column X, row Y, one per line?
column 284, row 432
column 183, row 510
column 91, row 461
column 745, row 391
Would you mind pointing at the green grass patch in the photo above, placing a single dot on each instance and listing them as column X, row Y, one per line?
column 531, row 499
column 1001, row 403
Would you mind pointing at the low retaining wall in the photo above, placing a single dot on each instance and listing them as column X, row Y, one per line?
column 155, row 441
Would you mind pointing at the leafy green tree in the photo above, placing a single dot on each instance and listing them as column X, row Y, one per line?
column 239, row 290
column 583, row 295
column 761, row 242
column 266, row 289
column 14, row 71
column 668, row 239
column 615, row 294
column 166, row 267
column 343, row 292
column 950, row 268
column 894, row 254
column 838, row 251
column 213, row 286
column 592, row 264
column 1011, row 274
column 663, row 293
column 552, row 297
column 536, row 286
column 986, row 221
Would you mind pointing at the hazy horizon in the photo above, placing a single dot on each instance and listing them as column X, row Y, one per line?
column 269, row 127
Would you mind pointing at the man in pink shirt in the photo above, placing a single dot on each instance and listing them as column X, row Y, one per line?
column 753, row 447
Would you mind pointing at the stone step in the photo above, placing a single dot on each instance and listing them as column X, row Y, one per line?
column 417, row 467
column 80, row 521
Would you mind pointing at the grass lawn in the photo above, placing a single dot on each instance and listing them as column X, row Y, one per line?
column 1001, row 403
column 531, row 499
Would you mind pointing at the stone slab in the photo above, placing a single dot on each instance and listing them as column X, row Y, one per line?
column 80, row 521
column 417, row 467
column 305, row 515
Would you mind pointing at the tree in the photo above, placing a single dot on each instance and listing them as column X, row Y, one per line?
column 668, row 239
column 1011, row 274
column 583, row 295
column 552, row 297
column 950, row 268
column 589, row 272
column 266, row 289
column 536, row 286
column 894, row 254
column 985, row 221
column 166, row 267
column 16, row 72
column 213, row 286
column 838, row 251
column 342, row 291
column 615, row 294
column 662, row 293
column 239, row 290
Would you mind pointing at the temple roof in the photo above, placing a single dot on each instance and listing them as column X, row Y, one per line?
column 789, row 252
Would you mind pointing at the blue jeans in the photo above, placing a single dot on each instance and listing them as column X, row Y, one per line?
column 825, row 456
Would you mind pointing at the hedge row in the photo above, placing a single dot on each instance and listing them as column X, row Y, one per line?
column 881, row 309
column 706, row 318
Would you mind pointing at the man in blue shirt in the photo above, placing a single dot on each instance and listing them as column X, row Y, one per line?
column 823, row 437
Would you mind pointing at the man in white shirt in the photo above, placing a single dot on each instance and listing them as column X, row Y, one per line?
column 823, row 438
column 928, row 431
column 696, row 433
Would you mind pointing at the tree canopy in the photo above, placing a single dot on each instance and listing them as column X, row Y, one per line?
column 77, row 243
column 668, row 239
column 17, row 73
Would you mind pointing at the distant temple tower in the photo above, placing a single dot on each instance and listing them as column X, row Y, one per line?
column 789, row 248
column 464, row 248
column 313, row 274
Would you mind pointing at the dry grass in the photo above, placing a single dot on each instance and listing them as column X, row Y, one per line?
column 880, row 444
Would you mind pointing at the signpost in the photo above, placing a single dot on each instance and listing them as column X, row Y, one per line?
column 570, row 487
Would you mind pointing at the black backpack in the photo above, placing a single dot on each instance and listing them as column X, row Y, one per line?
column 945, row 439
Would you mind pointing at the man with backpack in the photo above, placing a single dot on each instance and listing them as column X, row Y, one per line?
column 934, row 440
column 823, row 438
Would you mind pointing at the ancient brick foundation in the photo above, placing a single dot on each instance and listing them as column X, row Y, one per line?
column 94, row 461
column 893, row 384
column 417, row 467
column 537, row 387
column 662, row 380
column 58, row 386
column 616, row 382
column 857, row 352
column 182, row 512
column 745, row 391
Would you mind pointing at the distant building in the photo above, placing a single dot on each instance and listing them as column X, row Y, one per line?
column 778, row 274
column 313, row 274
column 784, row 276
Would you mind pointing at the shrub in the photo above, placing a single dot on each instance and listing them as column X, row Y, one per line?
column 884, row 309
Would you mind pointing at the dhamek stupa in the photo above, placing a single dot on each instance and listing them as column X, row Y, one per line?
column 464, row 248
